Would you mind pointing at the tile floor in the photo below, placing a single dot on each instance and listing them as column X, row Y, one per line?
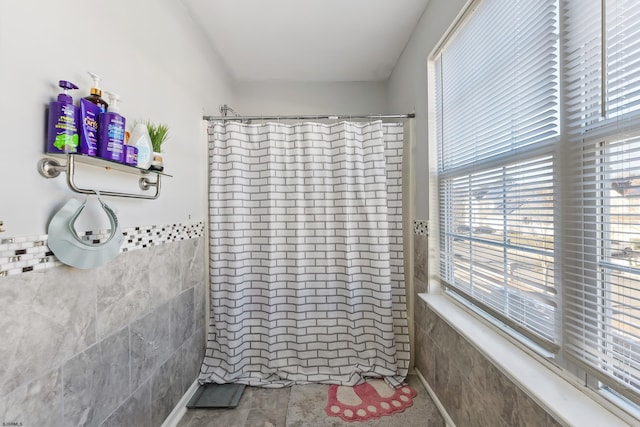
column 303, row 406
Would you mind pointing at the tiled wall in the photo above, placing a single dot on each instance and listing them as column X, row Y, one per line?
column 30, row 253
column 113, row 346
column 472, row 390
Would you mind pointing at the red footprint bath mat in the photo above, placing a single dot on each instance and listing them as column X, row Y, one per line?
column 371, row 399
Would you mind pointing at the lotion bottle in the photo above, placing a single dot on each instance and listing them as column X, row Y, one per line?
column 90, row 108
column 62, row 131
column 141, row 140
column 95, row 95
column 111, row 132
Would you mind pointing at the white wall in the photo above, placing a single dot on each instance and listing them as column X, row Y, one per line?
column 288, row 98
column 407, row 86
column 148, row 51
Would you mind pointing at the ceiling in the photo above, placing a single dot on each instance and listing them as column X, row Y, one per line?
column 308, row 40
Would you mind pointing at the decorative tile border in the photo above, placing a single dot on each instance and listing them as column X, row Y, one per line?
column 23, row 254
column 421, row 227
column 31, row 253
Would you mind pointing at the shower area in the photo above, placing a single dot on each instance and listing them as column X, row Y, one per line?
column 307, row 247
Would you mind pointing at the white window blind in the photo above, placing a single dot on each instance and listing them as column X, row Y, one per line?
column 498, row 83
column 602, row 292
column 497, row 116
column 541, row 228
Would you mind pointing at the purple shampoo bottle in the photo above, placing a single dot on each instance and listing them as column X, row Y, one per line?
column 62, row 130
column 112, row 132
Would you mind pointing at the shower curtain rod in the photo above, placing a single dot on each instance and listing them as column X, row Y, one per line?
column 314, row 117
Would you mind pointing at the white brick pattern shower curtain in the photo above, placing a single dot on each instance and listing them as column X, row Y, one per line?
column 307, row 280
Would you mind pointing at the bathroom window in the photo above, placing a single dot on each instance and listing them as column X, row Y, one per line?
column 497, row 115
column 500, row 243
column 602, row 295
column 538, row 133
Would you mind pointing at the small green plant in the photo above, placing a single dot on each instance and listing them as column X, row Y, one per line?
column 158, row 134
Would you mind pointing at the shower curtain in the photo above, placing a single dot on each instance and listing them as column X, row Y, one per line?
column 307, row 280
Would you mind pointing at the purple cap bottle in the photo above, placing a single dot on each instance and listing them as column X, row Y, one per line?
column 64, row 96
column 62, row 129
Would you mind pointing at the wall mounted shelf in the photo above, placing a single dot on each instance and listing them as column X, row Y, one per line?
column 51, row 167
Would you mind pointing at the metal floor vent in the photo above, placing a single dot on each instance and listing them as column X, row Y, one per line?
column 216, row 396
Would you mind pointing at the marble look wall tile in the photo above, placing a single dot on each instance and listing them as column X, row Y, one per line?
column 430, row 318
column 97, row 380
column 476, row 410
column 528, row 413
column 493, row 394
column 38, row 403
column 200, row 303
column 474, row 365
column 195, row 263
column 424, row 355
column 420, row 311
column 166, row 389
column 167, row 270
column 131, row 288
column 474, row 391
column 52, row 319
column 150, row 343
column 192, row 354
column 447, row 381
column 182, row 318
column 135, row 411
column 421, row 273
column 445, row 336
column 516, row 408
column 124, row 292
column 467, row 405
column 478, row 406
column 46, row 317
column 172, row 379
column 465, row 355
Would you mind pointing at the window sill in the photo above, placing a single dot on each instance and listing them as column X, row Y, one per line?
column 564, row 401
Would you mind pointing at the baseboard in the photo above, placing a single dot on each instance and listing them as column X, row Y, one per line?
column 181, row 407
column 447, row 418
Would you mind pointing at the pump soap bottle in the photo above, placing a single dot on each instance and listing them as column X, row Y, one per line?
column 90, row 108
column 95, row 94
column 112, row 128
column 62, row 131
